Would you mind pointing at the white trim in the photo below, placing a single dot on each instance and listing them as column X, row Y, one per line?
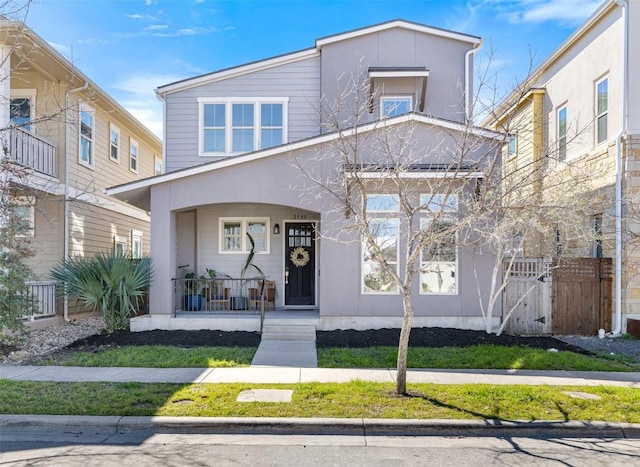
column 158, row 160
column 298, row 145
column 30, row 94
column 119, row 240
column 399, row 74
column 84, row 108
column 237, row 71
column 597, row 115
column 136, row 237
column 244, row 228
column 133, row 143
column 393, row 24
column 418, row 175
column 114, row 129
column 108, row 204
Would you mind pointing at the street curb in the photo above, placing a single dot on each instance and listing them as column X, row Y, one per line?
column 334, row 426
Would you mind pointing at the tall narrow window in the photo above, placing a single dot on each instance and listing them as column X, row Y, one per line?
column 390, row 106
column 232, row 236
column 23, row 213
column 114, row 143
column 242, row 128
column 157, row 165
column 271, row 125
column 602, row 108
column 513, row 145
column 136, row 244
column 214, row 127
column 119, row 244
column 133, row 155
column 87, row 135
column 439, row 261
column 597, row 235
column 375, row 278
column 562, row 133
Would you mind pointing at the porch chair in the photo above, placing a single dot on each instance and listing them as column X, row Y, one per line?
column 270, row 294
column 254, row 298
column 220, row 302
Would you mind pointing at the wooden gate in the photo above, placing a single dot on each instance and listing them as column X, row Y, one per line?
column 528, row 293
column 581, row 298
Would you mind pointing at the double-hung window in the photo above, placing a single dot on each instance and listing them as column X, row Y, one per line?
column 390, row 106
column 602, row 109
column 133, row 155
column 241, row 125
column 438, row 203
column 136, row 244
column 234, row 238
column 512, row 148
column 380, row 248
column 562, row 133
column 23, row 213
column 114, row 143
column 87, row 135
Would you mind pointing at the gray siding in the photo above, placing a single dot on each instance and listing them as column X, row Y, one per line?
column 299, row 81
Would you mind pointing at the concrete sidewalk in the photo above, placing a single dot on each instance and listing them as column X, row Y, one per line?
column 291, row 375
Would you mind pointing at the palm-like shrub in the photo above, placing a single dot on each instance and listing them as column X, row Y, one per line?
column 113, row 283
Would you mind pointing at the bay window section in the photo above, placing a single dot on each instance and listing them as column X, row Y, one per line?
column 375, row 279
column 439, row 259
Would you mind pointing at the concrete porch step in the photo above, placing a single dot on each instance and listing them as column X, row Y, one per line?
column 289, row 332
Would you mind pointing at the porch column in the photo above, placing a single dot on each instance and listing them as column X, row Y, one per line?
column 163, row 244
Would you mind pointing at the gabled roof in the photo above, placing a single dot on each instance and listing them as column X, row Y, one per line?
column 309, row 53
column 137, row 193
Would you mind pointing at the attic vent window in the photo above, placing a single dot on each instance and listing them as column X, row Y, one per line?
column 378, row 73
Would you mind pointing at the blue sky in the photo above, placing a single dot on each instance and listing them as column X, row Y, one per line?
column 130, row 47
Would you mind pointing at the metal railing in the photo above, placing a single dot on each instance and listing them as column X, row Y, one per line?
column 32, row 152
column 219, row 295
column 42, row 296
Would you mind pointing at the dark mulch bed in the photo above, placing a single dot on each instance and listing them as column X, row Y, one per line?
column 420, row 337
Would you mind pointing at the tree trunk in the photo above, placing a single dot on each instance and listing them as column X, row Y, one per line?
column 403, row 345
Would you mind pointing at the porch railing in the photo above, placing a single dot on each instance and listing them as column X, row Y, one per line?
column 227, row 295
column 32, row 152
column 42, row 296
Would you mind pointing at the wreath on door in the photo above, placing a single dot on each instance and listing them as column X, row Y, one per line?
column 299, row 257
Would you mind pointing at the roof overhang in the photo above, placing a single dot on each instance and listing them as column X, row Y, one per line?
column 398, row 72
column 138, row 192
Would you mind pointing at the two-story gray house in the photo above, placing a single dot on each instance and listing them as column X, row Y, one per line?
column 235, row 141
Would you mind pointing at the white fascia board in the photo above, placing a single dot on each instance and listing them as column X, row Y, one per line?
column 236, row 71
column 108, row 204
column 235, row 160
column 398, row 74
column 393, row 24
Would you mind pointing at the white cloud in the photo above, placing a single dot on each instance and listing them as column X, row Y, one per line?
column 63, row 49
column 569, row 12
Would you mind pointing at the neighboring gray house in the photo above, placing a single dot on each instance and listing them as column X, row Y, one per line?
column 232, row 139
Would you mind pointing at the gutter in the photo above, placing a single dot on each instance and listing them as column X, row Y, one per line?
column 66, row 187
column 468, row 70
column 618, row 197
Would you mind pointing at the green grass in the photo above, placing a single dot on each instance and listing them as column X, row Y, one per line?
column 474, row 357
column 355, row 399
column 159, row 356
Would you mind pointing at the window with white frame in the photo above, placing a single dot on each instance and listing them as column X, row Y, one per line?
column 241, row 125
column 390, row 106
column 136, row 244
column 512, row 148
column 114, row 143
column 437, row 203
column 562, row 133
column 87, row 135
column 133, row 155
column 439, row 259
column 382, row 203
column 234, row 230
column 119, row 244
column 23, row 213
column 22, row 107
column 157, row 165
column 375, row 278
column 602, row 109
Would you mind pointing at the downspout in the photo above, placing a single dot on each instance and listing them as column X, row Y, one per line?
column 618, row 202
column 468, row 74
column 66, row 235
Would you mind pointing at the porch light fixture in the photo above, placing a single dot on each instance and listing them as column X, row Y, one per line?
column 276, row 229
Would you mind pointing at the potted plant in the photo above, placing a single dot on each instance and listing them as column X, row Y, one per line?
column 192, row 296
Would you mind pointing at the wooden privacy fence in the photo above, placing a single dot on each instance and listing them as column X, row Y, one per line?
column 551, row 297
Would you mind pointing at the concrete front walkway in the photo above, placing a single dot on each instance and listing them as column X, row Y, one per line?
column 291, row 375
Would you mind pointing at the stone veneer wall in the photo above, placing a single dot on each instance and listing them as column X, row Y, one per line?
column 631, row 230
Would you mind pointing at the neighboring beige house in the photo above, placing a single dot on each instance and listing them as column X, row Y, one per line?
column 71, row 140
column 580, row 111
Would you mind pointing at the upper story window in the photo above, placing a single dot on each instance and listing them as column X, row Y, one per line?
column 562, row 133
column 22, row 107
column 439, row 203
column 114, row 143
column 235, row 126
column 24, row 217
column 602, row 109
column 133, row 155
column 513, row 145
column 382, row 203
column 87, row 136
column 390, row 106
column 157, row 165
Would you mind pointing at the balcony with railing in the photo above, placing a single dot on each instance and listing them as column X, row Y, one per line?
column 32, row 152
